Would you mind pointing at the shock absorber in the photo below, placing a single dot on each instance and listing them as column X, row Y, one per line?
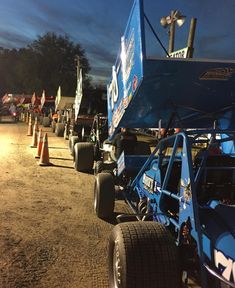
column 145, row 208
column 142, row 206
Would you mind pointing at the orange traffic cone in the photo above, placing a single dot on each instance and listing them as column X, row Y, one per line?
column 34, row 139
column 40, row 141
column 44, row 157
column 36, row 124
column 30, row 127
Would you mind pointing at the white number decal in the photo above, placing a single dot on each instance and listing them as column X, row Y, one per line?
column 227, row 263
column 113, row 89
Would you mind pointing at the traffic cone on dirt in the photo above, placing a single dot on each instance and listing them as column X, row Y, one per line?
column 40, row 141
column 34, row 138
column 36, row 124
column 30, row 127
column 44, row 157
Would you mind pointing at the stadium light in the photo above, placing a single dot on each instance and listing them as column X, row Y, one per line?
column 169, row 21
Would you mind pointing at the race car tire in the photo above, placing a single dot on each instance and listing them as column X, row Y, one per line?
column 104, row 195
column 53, row 125
column 83, row 156
column 72, row 141
column 59, row 129
column 66, row 137
column 46, row 122
column 142, row 254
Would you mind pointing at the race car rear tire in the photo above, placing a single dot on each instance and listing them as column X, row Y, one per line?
column 142, row 254
column 97, row 153
column 59, row 129
column 46, row 122
column 104, row 195
column 84, row 156
column 66, row 137
column 53, row 125
column 72, row 141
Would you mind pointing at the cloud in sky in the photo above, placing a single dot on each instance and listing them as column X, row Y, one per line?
column 98, row 25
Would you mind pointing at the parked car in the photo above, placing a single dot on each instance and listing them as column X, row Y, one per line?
column 7, row 116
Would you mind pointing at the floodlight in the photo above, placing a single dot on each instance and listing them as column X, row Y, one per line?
column 170, row 20
column 163, row 22
column 174, row 17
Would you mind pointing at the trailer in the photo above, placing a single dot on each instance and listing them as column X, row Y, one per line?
column 88, row 127
column 89, row 145
column 182, row 196
column 47, row 106
column 80, row 125
column 62, row 116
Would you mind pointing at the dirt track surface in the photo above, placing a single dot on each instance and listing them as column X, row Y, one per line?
column 49, row 234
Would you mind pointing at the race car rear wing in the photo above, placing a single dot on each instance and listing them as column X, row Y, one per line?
column 143, row 91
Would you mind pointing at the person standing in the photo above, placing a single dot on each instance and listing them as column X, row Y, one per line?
column 124, row 141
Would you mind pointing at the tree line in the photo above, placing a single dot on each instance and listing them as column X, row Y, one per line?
column 46, row 63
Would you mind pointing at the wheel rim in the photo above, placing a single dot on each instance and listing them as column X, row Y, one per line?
column 116, row 266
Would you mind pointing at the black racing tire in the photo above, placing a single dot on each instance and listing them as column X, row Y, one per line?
column 53, row 125
column 99, row 167
column 97, row 152
column 84, row 156
column 66, row 137
column 46, row 122
column 59, row 129
column 104, row 195
column 143, row 254
column 72, row 141
column 40, row 119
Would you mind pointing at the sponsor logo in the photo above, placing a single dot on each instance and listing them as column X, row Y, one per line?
column 134, row 83
column 221, row 74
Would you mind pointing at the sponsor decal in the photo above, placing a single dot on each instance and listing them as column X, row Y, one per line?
column 150, row 184
column 221, row 74
column 121, row 163
column 127, row 56
column 125, row 102
column 187, row 192
column 134, row 83
column 117, row 115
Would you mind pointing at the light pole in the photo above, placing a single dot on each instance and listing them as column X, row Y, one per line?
column 191, row 37
column 169, row 21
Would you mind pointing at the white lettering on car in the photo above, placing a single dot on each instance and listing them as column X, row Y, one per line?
column 113, row 89
column 228, row 265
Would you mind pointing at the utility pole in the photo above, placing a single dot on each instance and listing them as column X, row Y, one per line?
column 191, row 37
column 172, row 34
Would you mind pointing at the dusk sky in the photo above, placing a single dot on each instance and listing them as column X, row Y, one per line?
column 97, row 25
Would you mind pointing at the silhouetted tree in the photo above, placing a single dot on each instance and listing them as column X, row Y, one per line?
column 45, row 64
column 54, row 60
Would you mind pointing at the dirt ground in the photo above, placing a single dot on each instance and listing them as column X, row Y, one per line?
column 49, row 234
